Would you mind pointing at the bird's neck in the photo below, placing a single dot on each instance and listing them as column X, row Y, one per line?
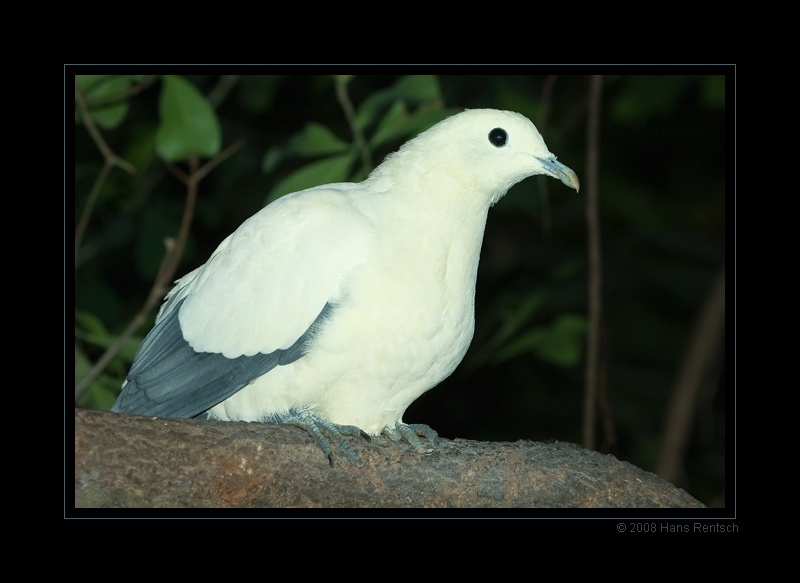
column 439, row 236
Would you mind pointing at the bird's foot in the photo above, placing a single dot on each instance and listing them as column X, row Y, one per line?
column 411, row 432
column 320, row 429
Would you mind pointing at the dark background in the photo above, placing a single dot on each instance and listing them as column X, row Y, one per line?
column 662, row 206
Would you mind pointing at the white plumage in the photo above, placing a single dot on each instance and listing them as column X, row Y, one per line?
column 339, row 305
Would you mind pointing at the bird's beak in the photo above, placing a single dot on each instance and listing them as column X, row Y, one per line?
column 557, row 170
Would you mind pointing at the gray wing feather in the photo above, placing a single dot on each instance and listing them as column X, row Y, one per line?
column 169, row 379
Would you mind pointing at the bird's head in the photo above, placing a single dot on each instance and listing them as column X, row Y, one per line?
column 486, row 150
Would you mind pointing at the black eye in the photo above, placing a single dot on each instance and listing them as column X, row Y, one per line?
column 498, row 137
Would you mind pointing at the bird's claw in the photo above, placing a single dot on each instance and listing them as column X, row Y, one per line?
column 411, row 433
column 326, row 433
column 320, row 429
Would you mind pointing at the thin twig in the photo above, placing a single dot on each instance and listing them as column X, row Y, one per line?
column 701, row 353
column 106, row 100
column 110, row 160
column 219, row 158
column 547, row 93
column 542, row 181
column 186, row 222
column 169, row 263
column 80, row 228
column 159, row 288
column 349, row 113
column 595, row 261
column 222, row 89
column 108, row 153
column 136, row 322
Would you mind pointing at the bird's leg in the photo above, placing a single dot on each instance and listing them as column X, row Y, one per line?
column 410, row 432
column 319, row 429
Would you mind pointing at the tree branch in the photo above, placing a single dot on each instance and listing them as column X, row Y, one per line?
column 133, row 461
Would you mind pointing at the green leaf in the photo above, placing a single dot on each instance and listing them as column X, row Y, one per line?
column 398, row 123
column 560, row 344
column 518, row 312
column 153, row 226
column 646, row 96
column 271, row 159
column 325, row 171
column 257, row 92
column 316, row 140
column 91, row 330
column 100, row 395
column 414, row 89
column 82, row 365
column 88, row 322
column 313, row 140
column 418, row 88
column 102, row 392
column 96, row 86
column 392, row 125
column 188, row 125
column 712, row 91
column 127, row 352
column 344, row 79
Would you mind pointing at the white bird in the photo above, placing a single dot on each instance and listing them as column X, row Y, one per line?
column 334, row 308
